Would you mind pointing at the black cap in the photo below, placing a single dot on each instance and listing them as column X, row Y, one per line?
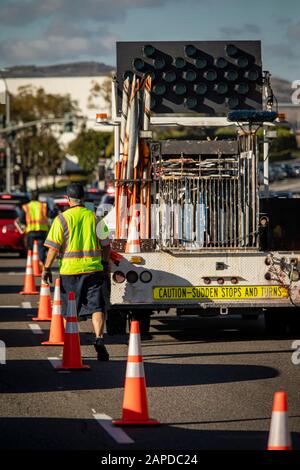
column 75, row 191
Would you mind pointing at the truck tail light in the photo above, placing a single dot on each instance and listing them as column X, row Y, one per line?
column 145, row 276
column 132, row 277
column 118, row 277
column 9, row 228
column 268, row 261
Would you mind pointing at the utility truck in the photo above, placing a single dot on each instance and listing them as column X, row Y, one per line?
column 193, row 232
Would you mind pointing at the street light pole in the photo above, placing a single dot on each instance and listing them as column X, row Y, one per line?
column 6, row 101
column 8, row 150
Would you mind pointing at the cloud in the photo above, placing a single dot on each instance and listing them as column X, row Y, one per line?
column 280, row 50
column 248, row 28
column 24, row 12
column 294, row 31
column 63, row 29
column 58, row 47
column 282, row 20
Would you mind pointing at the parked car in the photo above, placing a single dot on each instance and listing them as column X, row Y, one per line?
column 261, row 175
column 61, row 203
column 17, row 198
column 281, row 194
column 289, row 169
column 94, row 195
column 296, row 169
column 106, row 204
column 279, row 173
column 11, row 236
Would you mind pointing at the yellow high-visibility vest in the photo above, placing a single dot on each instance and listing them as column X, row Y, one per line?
column 36, row 216
column 73, row 235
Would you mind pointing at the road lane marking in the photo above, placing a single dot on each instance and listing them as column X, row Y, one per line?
column 26, row 305
column 54, row 361
column 36, row 329
column 116, row 433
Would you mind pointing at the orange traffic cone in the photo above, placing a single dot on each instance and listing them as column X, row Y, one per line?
column 57, row 331
column 133, row 241
column 44, row 312
column 36, row 260
column 135, row 407
column 29, row 283
column 279, row 436
column 72, row 354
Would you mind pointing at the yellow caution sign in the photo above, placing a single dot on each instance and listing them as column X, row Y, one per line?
column 219, row 292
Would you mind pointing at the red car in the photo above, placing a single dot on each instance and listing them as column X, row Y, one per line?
column 11, row 238
column 62, row 203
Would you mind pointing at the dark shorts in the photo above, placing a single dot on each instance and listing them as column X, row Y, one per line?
column 40, row 236
column 88, row 289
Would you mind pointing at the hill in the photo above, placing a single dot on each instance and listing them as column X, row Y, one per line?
column 73, row 69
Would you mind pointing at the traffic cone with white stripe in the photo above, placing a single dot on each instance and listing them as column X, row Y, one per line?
column 29, row 282
column 36, row 260
column 279, row 436
column 72, row 354
column 133, row 241
column 57, row 331
column 135, row 406
column 44, row 311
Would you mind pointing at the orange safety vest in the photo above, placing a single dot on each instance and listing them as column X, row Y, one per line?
column 36, row 216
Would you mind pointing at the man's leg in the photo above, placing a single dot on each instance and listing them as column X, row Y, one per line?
column 30, row 239
column 96, row 306
column 98, row 320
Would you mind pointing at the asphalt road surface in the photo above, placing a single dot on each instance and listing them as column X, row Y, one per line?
column 209, row 381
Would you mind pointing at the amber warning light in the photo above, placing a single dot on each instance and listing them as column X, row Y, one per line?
column 100, row 117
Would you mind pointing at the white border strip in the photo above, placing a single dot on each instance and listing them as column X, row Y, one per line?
column 116, row 433
column 9, row 306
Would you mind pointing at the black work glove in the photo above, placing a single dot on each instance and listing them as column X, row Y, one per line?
column 47, row 275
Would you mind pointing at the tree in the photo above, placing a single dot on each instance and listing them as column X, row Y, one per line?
column 284, row 144
column 32, row 103
column 99, row 91
column 89, row 146
column 38, row 147
column 225, row 133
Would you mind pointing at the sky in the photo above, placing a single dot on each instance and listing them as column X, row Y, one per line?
column 43, row 32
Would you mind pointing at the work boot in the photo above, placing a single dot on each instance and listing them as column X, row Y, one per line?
column 102, row 354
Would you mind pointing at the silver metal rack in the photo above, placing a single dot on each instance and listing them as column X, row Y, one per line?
column 207, row 200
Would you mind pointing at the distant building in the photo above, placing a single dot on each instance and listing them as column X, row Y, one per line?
column 292, row 112
column 80, row 80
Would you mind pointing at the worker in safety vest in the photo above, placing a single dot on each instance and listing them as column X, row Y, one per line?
column 83, row 248
column 35, row 215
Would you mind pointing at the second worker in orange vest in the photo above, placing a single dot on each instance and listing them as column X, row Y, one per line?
column 35, row 215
